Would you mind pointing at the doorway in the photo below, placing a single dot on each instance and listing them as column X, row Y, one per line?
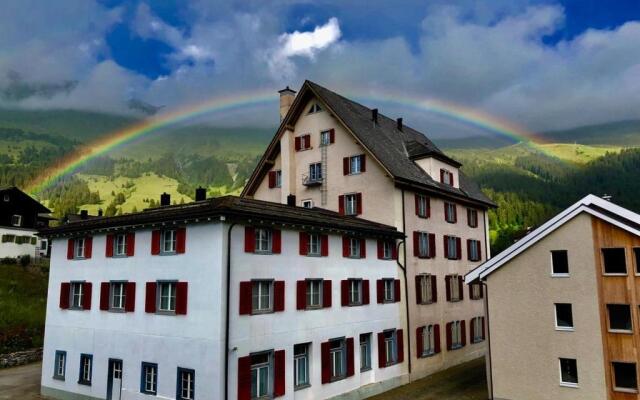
column 114, row 381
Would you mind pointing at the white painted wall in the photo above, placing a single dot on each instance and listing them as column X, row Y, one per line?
column 14, row 250
column 433, row 166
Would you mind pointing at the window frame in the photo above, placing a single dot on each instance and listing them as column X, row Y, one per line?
column 120, row 237
column 474, row 250
column 476, row 291
column 267, row 240
column 173, row 241
column 365, row 346
column 604, row 264
column 478, row 328
column 447, row 176
column 172, row 295
column 388, row 284
column 306, row 202
column 278, row 178
column 456, row 335
column 309, row 293
column 390, row 346
column 13, row 217
column 317, row 238
column 351, row 204
column 387, row 250
column 355, row 164
column 423, row 206
column 122, row 296
column 452, row 254
column 303, row 357
column 567, row 383
column 426, row 289
column 354, row 247
column 428, row 341
column 559, row 274
column 315, row 172
column 72, row 294
column 82, row 378
column 192, row 383
column 355, row 287
column 326, row 134
column 623, row 331
column 472, row 216
column 450, row 214
column 454, row 288
column 144, row 381
column 570, row 328
column 334, row 352
column 270, row 372
column 60, row 355
column 260, row 296
column 79, row 248
column 423, row 244
column 614, row 380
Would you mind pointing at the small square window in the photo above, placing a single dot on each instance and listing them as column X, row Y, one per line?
column 307, row 203
column 625, row 377
column 568, row 372
column 149, row 378
column 619, row 317
column 16, row 220
column 614, row 260
column 564, row 317
column 559, row 263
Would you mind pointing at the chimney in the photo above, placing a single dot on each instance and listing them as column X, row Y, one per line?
column 291, row 200
column 99, row 212
column 201, row 194
column 374, row 116
column 287, row 96
column 84, row 214
column 399, row 123
column 165, row 199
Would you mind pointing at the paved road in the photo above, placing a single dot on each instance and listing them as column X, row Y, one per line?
column 20, row 382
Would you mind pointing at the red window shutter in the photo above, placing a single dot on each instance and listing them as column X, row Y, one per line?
column 469, row 249
column 380, row 249
column 463, row 333
column 436, row 338
column 396, row 290
column 455, row 213
column 428, row 207
column 332, row 135
column 446, row 248
column 279, row 373
column 417, row 203
column 150, row 299
column 326, row 293
column 434, row 289
column 382, row 356
column 88, row 247
column 471, row 291
column 276, row 244
column 304, row 243
column 70, row 248
column 245, row 298
column 249, row 239
column 446, row 212
column 345, row 166
column 324, row 245
column 86, row 289
column 419, row 341
column 181, row 240
column 182, row 294
column 416, row 243
column 244, row 378
column 345, row 246
column 130, row 297
column 449, row 326
column 363, row 248
column 359, row 203
column 297, row 143
column 479, row 251
column 155, row 242
column 394, row 250
column 448, row 286
column 278, row 296
column 131, row 244
column 65, row 288
column 363, row 163
column 272, row 179
column 307, row 141
column 350, row 361
column 432, row 245
column 380, row 291
column 458, row 249
column 460, row 287
column 400, row 344
column 344, row 292
column 483, row 329
column 325, row 361
column 301, row 295
column 453, row 182
column 472, row 330
column 104, row 296
column 108, row 250
column 481, row 290
column 418, row 291
column 365, row 291
column 340, row 205
column 442, row 175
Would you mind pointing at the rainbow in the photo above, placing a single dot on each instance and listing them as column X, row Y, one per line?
column 108, row 142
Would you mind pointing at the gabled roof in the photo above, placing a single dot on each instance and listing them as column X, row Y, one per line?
column 39, row 208
column 235, row 209
column 394, row 149
column 593, row 205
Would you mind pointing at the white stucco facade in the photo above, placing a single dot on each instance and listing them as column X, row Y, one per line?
column 9, row 247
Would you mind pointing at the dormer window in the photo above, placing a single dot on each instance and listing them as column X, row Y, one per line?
column 16, row 220
column 446, row 177
column 315, row 107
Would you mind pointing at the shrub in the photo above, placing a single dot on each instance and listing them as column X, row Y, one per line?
column 8, row 261
column 25, row 260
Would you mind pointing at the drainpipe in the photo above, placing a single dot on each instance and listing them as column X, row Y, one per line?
column 226, row 321
column 406, row 286
column 486, row 311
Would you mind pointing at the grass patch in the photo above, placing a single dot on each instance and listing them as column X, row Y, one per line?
column 578, row 153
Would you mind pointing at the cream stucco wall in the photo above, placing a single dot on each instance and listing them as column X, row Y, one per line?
column 432, row 167
column 525, row 347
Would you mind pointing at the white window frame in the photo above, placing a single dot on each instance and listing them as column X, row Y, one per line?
column 338, row 358
column 426, row 291
column 150, row 373
column 170, row 296
column 387, row 250
column 447, row 177
column 313, row 293
column 315, row 172
column 423, row 244
column 559, row 274
column 261, row 291
column 278, row 175
column 389, row 290
column 428, row 341
column 555, row 314
column 365, row 352
column 301, row 366
column 264, row 240
column 613, row 374
column 16, row 220
column 308, row 203
column 422, row 205
column 568, row 384
column 351, row 204
column 354, row 247
column 315, row 108
column 454, row 288
column 314, row 245
column 120, row 245
column 86, row 361
column 117, row 295
column 169, row 241
column 325, row 138
column 60, row 365
column 187, row 383
column 79, row 248
column 77, row 292
column 355, row 292
column 477, row 329
column 270, row 374
column 456, row 335
column 355, row 165
column 391, row 346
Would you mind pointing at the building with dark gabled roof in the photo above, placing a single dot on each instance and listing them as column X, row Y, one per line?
column 21, row 217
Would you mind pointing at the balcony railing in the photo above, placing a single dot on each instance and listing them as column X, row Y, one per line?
column 309, row 181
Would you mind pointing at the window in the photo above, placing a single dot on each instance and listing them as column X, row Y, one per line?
column 619, row 317
column 86, row 363
column 278, row 176
column 425, row 289
column 16, row 220
column 390, row 347
column 79, row 247
column 307, row 203
column 264, row 240
column 456, row 335
column 428, row 341
column 450, row 213
column 77, row 295
column 301, row 365
column 314, row 244
column 315, row 172
column 354, row 164
column 625, row 378
column 477, row 329
column 636, row 254
column 351, row 204
column 564, row 317
column 60, row 365
column 354, row 247
column 167, row 297
column 446, row 177
column 559, row 263
column 117, row 296
column 422, row 206
column 387, row 250
column 472, row 218
column 614, row 261
column 423, row 245
column 365, row 352
column 451, row 249
column 474, row 250
column 120, row 245
column 169, row 241
column 186, row 384
column 261, row 375
column 303, row 142
column 6, row 198
column 454, row 282
column 8, row 238
column 149, row 379
column 325, row 138
column 389, row 290
column 568, row 372
column 355, row 292
column 261, row 295
column 476, row 291
column 338, row 357
column 315, row 107
column 314, row 293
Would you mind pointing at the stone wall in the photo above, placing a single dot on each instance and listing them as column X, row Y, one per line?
column 20, row 358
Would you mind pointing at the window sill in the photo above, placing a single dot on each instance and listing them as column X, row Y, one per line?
column 475, row 298
column 261, row 312
column 560, row 275
column 427, row 303
column 451, row 222
column 149, row 393
column 624, row 390
column 422, row 216
column 313, row 308
column 427, row 355
column 455, row 300
column 354, row 173
column 475, row 341
column 168, row 253
column 85, row 383
column 621, row 331
column 264, row 253
column 565, row 329
column 117, row 310
column 337, row 378
column 170, row 313
column 302, row 387
column 457, row 347
column 569, row 385
column 58, row 378
column 305, row 149
column 355, row 304
column 367, row 369
column 314, row 255
column 614, row 274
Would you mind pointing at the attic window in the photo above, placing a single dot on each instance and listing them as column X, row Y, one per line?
column 315, row 107
column 6, row 198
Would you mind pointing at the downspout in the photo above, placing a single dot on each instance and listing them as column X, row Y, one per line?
column 488, row 327
column 226, row 320
column 406, row 286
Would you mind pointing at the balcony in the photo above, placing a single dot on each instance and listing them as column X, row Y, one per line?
column 311, row 181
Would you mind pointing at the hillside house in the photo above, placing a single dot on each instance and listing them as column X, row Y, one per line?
column 21, row 217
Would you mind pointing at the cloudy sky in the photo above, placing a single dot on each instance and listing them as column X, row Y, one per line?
column 541, row 64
